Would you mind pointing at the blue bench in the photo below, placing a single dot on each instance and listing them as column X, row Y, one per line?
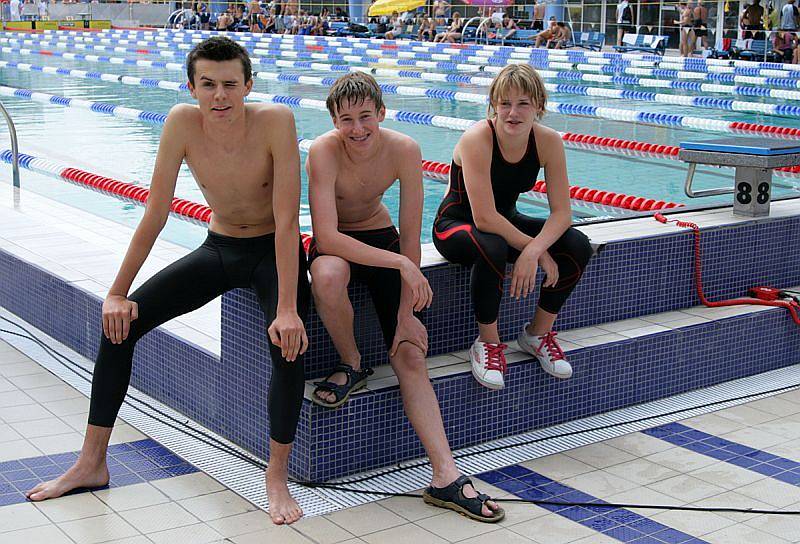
column 647, row 43
column 755, row 50
column 522, row 38
column 593, row 41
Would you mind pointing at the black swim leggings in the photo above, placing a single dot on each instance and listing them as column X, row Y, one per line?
column 462, row 243
column 222, row 263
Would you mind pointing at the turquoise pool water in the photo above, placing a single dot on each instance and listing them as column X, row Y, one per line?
column 126, row 149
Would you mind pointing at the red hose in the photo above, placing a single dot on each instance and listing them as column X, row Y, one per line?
column 698, row 277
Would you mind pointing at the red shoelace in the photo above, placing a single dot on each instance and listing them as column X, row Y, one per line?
column 495, row 357
column 553, row 349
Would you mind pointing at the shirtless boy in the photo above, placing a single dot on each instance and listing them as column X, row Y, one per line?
column 253, row 241
column 349, row 170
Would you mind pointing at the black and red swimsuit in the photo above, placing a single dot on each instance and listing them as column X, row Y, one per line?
column 459, row 240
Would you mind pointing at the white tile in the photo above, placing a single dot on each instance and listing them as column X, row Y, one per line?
column 68, row 407
column 686, row 488
column 693, row 523
column 46, row 534
column 240, row 524
column 742, row 534
column 320, row 529
column 641, row 471
column 72, row 507
column 624, row 325
column 557, row 529
column 731, row 499
column 189, row 485
column 41, row 427
column 714, row 424
column 14, row 398
column 599, row 455
column 125, row 433
column 780, row 526
column 161, row 517
column 680, row 459
column 54, row 393
column 367, row 518
column 217, row 505
column 772, row 492
column 644, row 331
column 199, row 533
column 283, row 535
column 601, row 484
column 26, row 368
column 746, row 415
column 404, row 534
column 20, row 516
column 58, row 443
column 131, row 496
column 24, row 412
column 754, row 437
column 413, row 509
column 18, row 449
column 726, row 475
column 638, row 444
column 31, row 382
column 558, row 466
column 98, row 529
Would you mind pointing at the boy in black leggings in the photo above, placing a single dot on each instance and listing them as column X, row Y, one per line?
column 253, row 241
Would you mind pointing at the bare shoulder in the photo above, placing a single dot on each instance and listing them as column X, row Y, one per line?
column 547, row 141
column 324, row 155
column 400, row 145
column 476, row 137
column 274, row 114
column 184, row 115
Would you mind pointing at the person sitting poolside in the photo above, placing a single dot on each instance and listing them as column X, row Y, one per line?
column 562, row 37
column 784, row 43
column 547, row 34
column 509, row 26
column 453, row 33
column 349, row 170
column 394, row 28
column 253, row 241
column 478, row 224
column 427, row 30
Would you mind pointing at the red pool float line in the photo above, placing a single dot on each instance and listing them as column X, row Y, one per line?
column 611, row 198
column 315, row 48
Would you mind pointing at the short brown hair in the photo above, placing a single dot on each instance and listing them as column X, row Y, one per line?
column 353, row 88
column 522, row 77
column 218, row 49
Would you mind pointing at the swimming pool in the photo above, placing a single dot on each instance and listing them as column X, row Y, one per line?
column 126, row 149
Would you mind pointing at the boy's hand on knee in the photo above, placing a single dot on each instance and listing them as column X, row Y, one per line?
column 288, row 332
column 410, row 329
column 118, row 312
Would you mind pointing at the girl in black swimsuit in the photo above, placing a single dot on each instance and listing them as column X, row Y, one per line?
column 478, row 224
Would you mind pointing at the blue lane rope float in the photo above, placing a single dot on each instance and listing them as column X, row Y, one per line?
column 724, row 104
column 523, row 53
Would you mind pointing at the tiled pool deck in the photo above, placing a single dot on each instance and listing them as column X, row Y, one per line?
column 746, row 456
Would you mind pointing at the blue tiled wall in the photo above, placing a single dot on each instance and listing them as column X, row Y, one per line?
column 371, row 430
column 626, row 279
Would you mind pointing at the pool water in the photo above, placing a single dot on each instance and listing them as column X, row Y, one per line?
column 126, row 149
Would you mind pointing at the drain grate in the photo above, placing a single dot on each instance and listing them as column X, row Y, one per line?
column 248, row 481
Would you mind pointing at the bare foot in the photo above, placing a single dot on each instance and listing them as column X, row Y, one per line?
column 79, row 475
column 283, row 509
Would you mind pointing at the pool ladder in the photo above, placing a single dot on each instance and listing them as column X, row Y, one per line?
column 14, row 145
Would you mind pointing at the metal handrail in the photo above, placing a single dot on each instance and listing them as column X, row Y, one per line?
column 691, row 193
column 14, row 145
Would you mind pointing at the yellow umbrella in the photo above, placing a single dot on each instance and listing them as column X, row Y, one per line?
column 386, row 7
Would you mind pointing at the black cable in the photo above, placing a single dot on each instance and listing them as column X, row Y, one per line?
column 208, row 439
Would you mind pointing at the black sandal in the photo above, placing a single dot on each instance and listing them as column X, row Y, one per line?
column 452, row 497
column 356, row 379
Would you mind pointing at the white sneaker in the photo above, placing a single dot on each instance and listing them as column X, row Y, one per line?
column 488, row 363
column 547, row 351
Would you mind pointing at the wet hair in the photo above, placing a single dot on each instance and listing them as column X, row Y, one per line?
column 522, row 77
column 353, row 88
column 218, row 49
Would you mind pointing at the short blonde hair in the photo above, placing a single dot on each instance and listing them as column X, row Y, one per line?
column 353, row 88
column 522, row 77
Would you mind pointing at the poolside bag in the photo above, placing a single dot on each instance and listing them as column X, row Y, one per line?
column 355, row 27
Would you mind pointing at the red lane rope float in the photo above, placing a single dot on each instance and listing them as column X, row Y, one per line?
column 179, row 206
column 440, row 170
column 698, row 278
